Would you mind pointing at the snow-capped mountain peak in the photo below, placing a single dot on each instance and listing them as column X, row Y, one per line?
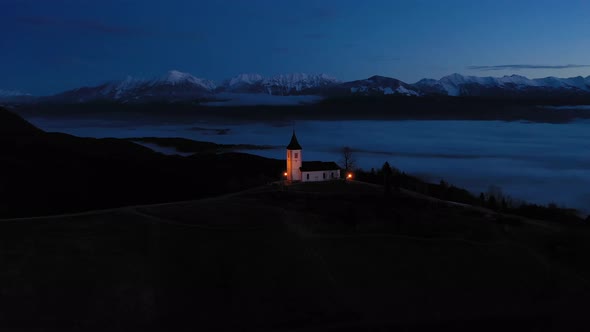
column 245, row 79
column 297, row 82
column 172, row 86
column 300, row 81
column 121, row 87
column 12, row 93
column 454, row 78
column 175, row 77
column 516, row 80
column 282, row 84
column 457, row 85
column 380, row 85
column 303, row 78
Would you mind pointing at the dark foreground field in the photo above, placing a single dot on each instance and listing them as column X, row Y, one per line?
column 332, row 256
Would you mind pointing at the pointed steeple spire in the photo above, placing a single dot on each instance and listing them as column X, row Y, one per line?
column 294, row 145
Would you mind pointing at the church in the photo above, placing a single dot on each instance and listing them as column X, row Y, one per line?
column 308, row 171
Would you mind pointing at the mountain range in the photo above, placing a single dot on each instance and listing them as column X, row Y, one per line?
column 14, row 96
column 179, row 86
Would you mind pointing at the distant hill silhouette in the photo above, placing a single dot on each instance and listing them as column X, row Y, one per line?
column 372, row 107
column 12, row 124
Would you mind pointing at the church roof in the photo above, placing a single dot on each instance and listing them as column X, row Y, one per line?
column 311, row 166
column 294, row 145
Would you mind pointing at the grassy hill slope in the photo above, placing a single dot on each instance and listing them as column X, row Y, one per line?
column 334, row 257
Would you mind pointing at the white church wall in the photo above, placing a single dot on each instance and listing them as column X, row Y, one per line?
column 317, row 176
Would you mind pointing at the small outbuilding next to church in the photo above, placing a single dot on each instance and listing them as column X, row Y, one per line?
column 308, row 171
column 319, row 171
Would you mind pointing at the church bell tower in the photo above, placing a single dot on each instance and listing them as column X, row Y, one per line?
column 294, row 159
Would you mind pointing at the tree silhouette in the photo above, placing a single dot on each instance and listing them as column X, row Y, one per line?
column 387, row 175
column 504, row 205
column 492, row 203
column 348, row 159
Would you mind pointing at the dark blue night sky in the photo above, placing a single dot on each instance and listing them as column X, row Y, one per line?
column 50, row 46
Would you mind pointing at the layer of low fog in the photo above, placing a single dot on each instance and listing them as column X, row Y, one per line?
column 536, row 162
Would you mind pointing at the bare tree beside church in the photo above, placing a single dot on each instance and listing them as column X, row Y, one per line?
column 348, row 160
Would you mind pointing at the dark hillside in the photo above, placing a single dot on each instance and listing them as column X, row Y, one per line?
column 326, row 257
column 14, row 125
column 47, row 173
